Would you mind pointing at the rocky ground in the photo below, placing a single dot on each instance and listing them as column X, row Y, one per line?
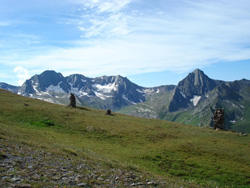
column 23, row 166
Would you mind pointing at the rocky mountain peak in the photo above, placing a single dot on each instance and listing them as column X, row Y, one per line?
column 50, row 77
column 42, row 82
column 50, row 73
column 198, row 71
column 191, row 90
column 198, row 77
column 196, row 83
column 116, row 79
column 77, row 80
column 196, row 95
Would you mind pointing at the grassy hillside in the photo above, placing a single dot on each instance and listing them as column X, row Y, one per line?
column 188, row 156
column 154, row 107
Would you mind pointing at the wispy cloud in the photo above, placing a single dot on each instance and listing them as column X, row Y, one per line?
column 22, row 74
column 104, row 18
column 112, row 6
column 135, row 36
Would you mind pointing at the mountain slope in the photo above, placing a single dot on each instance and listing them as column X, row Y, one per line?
column 191, row 89
column 233, row 96
column 11, row 88
column 180, row 156
column 103, row 92
column 192, row 101
column 155, row 106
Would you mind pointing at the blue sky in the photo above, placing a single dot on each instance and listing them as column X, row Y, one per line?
column 152, row 42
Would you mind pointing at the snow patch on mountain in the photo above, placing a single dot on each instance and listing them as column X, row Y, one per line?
column 43, row 93
column 140, row 109
column 56, row 89
column 124, row 97
column 35, row 87
column 78, row 92
column 183, row 95
column 82, row 93
column 242, row 106
column 75, row 90
column 101, row 96
column 148, row 91
column 105, row 88
column 47, row 100
column 195, row 100
column 140, row 91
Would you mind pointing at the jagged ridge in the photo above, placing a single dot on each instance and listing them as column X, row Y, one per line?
column 192, row 101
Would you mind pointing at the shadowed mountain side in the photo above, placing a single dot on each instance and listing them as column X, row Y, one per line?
column 192, row 101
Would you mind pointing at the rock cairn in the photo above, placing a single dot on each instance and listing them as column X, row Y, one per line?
column 108, row 112
column 219, row 119
column 72, row 100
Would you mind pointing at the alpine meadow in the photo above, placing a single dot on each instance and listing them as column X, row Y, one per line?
column 157, row 153
column 124, row 93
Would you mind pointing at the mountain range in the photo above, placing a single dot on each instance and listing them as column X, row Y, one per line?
column 192, row 101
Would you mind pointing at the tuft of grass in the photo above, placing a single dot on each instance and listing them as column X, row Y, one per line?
column 43, row 123
column 69, row 151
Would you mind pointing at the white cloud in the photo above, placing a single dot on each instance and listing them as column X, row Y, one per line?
column 105, row 18
column 22, row 74
column 133, row 55
column 112, row 5
column 121, row 38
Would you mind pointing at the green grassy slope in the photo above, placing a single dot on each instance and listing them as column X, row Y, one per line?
column 154, row 107
column 200, row 156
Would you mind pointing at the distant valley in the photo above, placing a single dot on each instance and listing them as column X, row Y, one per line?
column 192, row 101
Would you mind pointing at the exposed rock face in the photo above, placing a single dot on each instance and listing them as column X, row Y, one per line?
column 191, row 90
column 189, row 102
column 47, row 81
column 27, row 89
column 196, row 83
column 178, row 101
column 104, row 92
column 11, row 88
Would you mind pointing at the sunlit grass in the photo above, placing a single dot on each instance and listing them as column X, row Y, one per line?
column 165, row 149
